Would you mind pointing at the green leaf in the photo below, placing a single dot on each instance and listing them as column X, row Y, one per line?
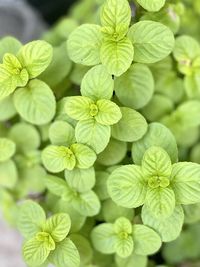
column 7, row 109
column 116, row 13
column 8, row 174
column 160, row 202
column 35, row 103
column 104, row 238
column 133, row 260
column 28, row 142
column 93, row 134
column 124, row 246
column 157, row 135
column 85, row 156
column 131, row 127
column 8, row 82
column 35, row 57
column 84, row 44
column 156, row 162
column 117, row 56
column 58, row 186
column 7, row 149
column 134, row 89
column 9, row 45
column 126, row 186
column 58, row 226
column 146, row 240
column 113, row 153
column 101, row 184
column 152, row 41
column 108, row 112
column 123, row 225
column 151, row 5
column 97, row 84
column 65, row 254
column 87, row 203
column 31, row 218
column 58, row 158
column 79, row 107
column 168, row 228
column 35, row 252
column 186, row 182
column 81, row 180
column 61, row 133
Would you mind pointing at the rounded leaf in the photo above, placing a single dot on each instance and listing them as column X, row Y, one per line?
column 124, row 247
column 133, row 260
column 35, row 103
column 101, row 184
column 8, row 174
column 7, row 149
column 152, row 5
column 7, row 109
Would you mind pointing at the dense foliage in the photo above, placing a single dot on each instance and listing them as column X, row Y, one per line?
column 99, row 136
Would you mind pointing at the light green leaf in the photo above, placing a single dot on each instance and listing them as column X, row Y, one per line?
column 116, row 13
column 123, row 225
column 124, row 246
column 117, row 56
column 25, row 142
column 35, row 57
column 133, row 260
column 108, row 112
column 9, row 45
column 104, row 238
column 146, row 240
column 127, row 187
column 81, row 180
column 61, row 133
column 84, row 44
column 186, row 182
column 151, row 5
column 113, row 153
column 65, row 254
column 8, row 174
column 134, row 88
column 157, row 135
column 35, row 252
column 8, row 83
column 58, row 226
column 79, row 107
column 87, row 203
column 7, row 109
column 31, row 219
column 7, row 149
column 168, row 228
column 85, row 156
column 93, row 134
column 160, row 202
column 97, row 84
column 101, row 184
column 156, row 162
column 131, row 127
column 35, row 103
column 58, row 158
column 152, row 41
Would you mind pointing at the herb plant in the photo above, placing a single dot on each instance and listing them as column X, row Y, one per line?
column 99, row 136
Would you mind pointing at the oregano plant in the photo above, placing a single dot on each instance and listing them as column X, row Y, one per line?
column 99, row 136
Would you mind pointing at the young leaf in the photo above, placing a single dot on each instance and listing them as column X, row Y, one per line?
column 65, row 254
column 146, row 240
column 135, row 87
column 123, row 225
column 8, row 83
column 35, row 57
column 97, row 84
column 117, row 56
column 108, row 112
column 35, row 103
column 7, row 149
column 84, row 44
column 104, row 238
column 127, row 187
column 152, row 5
column 58, row 158
column 93, row 134
column 124, row 246
column 9, row 45
column 79, row 107
column 160, row 202
column 31, row 219
column 185, row 182
column 9, row 174
column 58, row 226
column 85, row 156
column 152, row 41
column 61, row 133
column 131, row 127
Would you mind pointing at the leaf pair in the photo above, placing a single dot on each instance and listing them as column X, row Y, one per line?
column 46, row 239
column 123, row 238
column 114, row 44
